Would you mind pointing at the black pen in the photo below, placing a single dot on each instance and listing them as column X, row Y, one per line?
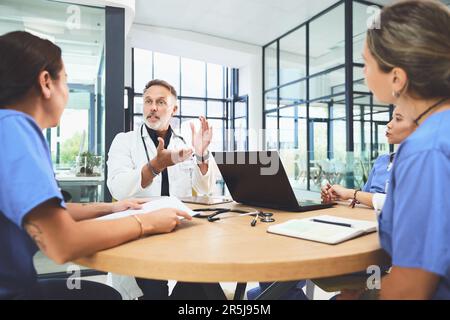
column 331, row 222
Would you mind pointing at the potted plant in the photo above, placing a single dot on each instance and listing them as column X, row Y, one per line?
column 88, row 165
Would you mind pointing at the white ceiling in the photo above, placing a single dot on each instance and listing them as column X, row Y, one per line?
column 251, row 21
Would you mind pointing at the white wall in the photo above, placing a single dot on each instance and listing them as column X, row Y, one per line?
column 248, row 58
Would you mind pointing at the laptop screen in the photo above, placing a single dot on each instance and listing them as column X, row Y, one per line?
column 257, row 178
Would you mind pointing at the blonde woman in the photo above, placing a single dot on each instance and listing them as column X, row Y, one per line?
column 407, row 63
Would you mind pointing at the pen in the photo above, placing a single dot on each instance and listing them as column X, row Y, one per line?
column 331, row 222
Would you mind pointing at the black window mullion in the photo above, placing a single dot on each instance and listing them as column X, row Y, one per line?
column 278, row 94
column 308, row 131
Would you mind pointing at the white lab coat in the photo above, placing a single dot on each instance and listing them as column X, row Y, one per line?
column 126, row 158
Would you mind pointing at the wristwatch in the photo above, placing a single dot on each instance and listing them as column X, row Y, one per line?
column 152, row 170
column 202, row 159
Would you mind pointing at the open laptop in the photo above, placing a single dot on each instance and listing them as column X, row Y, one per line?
column 259, row 179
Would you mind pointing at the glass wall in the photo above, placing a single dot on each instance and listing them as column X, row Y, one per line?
column 293, row 56
column 327, row 40
column 204, row 89
column 80, row 33
column 270, row 66
column 305, row 108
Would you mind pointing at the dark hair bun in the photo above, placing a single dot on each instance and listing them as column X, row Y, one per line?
column 23, row 57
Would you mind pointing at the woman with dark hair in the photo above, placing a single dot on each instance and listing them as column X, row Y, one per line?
column 33, row 94
column 407, row 63
column 373, row 193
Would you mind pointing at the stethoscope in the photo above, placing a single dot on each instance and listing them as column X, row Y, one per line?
column 263, row 216
column 174, row 135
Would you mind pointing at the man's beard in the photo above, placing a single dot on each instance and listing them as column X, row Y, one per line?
column 153, row 125
column 159, row 124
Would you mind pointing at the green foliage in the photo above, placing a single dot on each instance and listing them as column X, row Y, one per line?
column 365, row 172
column 87, row 163
column 92, row 160
column 70, row 148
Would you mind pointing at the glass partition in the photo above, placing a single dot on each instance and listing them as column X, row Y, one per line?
column 311, row 63
column 293, row 56
column 80, row 33
column 270, row 66
column 327, row 40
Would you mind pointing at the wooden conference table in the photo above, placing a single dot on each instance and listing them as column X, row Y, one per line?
column 230, row 250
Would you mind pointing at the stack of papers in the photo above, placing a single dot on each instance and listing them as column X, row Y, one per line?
column 162, row 203
column 331, row 229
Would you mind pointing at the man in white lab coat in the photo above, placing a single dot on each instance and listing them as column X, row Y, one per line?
column 152, row 160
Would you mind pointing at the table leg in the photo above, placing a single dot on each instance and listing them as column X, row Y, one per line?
column 240, row 291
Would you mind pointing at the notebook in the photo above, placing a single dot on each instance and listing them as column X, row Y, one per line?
column 161, row 203
column 324, row 232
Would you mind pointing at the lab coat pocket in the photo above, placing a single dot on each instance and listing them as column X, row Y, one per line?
column 182, row 179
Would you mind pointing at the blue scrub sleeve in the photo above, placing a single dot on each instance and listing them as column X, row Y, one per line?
column 421, row 224
column 26, row 173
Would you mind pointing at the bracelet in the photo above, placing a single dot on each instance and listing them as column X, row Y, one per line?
column 202, row 158
column 152, row 170
column 354, row 201
column 141, row 225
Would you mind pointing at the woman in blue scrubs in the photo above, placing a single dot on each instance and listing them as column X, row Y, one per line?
column 407, row 63
column 372, row 194
column 398, row 129
column 33, row 215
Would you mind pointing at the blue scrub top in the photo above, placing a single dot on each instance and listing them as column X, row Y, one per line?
column 379, row 175
column 26, row 180
column 414, row 226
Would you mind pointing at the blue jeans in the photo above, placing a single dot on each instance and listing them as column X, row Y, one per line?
column 295, row 293
column 56, row 289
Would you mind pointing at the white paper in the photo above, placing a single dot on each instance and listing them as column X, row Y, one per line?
column 162, row 203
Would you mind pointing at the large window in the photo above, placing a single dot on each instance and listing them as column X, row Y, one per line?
column 204, row 89
column 309, row 100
